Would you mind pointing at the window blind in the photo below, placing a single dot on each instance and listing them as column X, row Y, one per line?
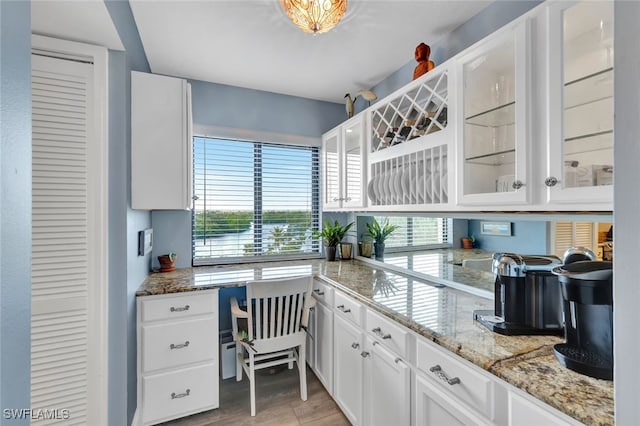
column 573, row 234
column 416, row 231
column 254, row 199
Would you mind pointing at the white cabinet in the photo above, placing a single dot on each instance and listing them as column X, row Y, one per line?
column 177, row 355
column 348, row 369
column 161, row 143
column 387, row 387
column 322, row 335
column 524, row 411
column 344, row 165
column 580, row 105
column 494, row 119
column 433, row 407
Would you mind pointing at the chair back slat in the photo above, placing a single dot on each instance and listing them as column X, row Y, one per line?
column 278, row 306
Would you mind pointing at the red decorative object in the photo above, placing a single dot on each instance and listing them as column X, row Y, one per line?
column 424, row 64
column 167, row 262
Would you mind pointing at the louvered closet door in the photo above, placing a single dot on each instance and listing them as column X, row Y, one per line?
column 61, row 287
column 573, row 234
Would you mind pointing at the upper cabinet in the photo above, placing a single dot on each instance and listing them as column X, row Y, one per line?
column 344, row 165
column 580, row 108
column 493, row 137
column 161, row 143
column 410, row 140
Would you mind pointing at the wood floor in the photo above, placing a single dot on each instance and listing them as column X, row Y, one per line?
column 277, row 403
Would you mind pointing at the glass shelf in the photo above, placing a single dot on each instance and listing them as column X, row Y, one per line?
column 586, row 90
column 502, row 115
column 494, row 158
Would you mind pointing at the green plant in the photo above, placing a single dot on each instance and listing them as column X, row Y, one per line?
column 380, row 233
column 332, row 234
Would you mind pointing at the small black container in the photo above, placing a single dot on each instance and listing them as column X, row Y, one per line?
column 587, row 292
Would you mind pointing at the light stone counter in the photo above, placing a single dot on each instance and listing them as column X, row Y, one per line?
column 437, row 312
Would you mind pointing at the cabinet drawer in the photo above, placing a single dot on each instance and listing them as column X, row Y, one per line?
column 161, row 308
column 173, row 344
column 348, row 308
column 474, row 388
column 323, row 292
column 389, row 334
column 179, row 393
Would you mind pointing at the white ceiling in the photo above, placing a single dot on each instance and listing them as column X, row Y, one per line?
column 251, row 43
column 87, row 21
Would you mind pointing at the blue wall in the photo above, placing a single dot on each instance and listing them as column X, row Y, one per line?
column 127, row 268
column 15, row 208
column 493, row 17
column 528, row 237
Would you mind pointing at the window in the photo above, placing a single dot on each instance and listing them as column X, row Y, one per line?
column 254, row 199
column 416, row 232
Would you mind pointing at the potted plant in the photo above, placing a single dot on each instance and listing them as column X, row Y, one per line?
column 345, row 248
column 379, row 234
column 468, row 242
column 332, row 235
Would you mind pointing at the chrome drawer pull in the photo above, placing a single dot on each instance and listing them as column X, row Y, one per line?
column 180, row 395
column 378, row 332
column 179, row 345
column 443, row 376
column 318, row 292
column 355, row 345
column 185, row 308
column 341, row 308
column 364, row 354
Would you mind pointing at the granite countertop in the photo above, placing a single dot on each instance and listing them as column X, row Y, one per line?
column 433, row 310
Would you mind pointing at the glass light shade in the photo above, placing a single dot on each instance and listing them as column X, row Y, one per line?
column 315, row 16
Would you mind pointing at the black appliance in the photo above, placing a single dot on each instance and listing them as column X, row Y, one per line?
column 527, row 296
column 587, row 292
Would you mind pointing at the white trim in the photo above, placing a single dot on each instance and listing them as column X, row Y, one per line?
column 99, row 182
column 254, row 135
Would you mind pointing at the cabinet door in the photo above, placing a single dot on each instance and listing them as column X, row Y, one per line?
column 580, row 110
column 353, row 163
column 331, row 168
column 324, row 346
column 387, row 387
column 161, row 143
column 433, row 407
column 349, row 355
column 523, row 412
column 494, row 132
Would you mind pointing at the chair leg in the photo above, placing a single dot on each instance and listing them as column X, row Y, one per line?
column 252, row 384
column 239, row 361
column 291, row 359
column 302, row 367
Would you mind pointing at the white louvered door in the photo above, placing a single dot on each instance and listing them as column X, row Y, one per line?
column 61, row 339
column 573, row 234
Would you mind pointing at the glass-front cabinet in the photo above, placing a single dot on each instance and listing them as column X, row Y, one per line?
column 493, row 134
column 580, row 111
column 344, row 165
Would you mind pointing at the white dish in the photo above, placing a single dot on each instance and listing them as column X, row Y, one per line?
column 397, row 186
column 420, row 190
column 370, row 191
column 406, row 186
column 445, row 185
column 379, row 192
column 435, row 195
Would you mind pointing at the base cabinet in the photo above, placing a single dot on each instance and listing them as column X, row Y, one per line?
column 433, row 407
column 348, row 372
column 523, row 411
column 324, row 345
column 387, row 387
column 177, row 355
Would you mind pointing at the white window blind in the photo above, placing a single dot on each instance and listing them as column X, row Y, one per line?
column 254, row 199
column 416, row 231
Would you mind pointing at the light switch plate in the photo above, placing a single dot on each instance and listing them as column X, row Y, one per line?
column 145, row 242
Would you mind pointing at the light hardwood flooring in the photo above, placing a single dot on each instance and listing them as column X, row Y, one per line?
column 277, row 403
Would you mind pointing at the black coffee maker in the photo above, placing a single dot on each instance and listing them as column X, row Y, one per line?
column 527, row 296
column 587, row 292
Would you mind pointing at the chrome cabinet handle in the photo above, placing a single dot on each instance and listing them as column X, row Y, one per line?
column 517, row 184
column 318, row 292
column 336, row 199
column 551, row 181
column 341, row 308
column 185, row 308
column 398, row 360
column 180, row 395
column 355, row 345
column 364, row 354
column 312, row 309
column 347, row 199
column 179, row 345
column 443, row 376
column 378, row 332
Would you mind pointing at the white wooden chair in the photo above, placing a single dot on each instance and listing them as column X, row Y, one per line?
column 272, row 331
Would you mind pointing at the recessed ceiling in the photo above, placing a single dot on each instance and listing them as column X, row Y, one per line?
column 86, row 21
column 251, row 43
